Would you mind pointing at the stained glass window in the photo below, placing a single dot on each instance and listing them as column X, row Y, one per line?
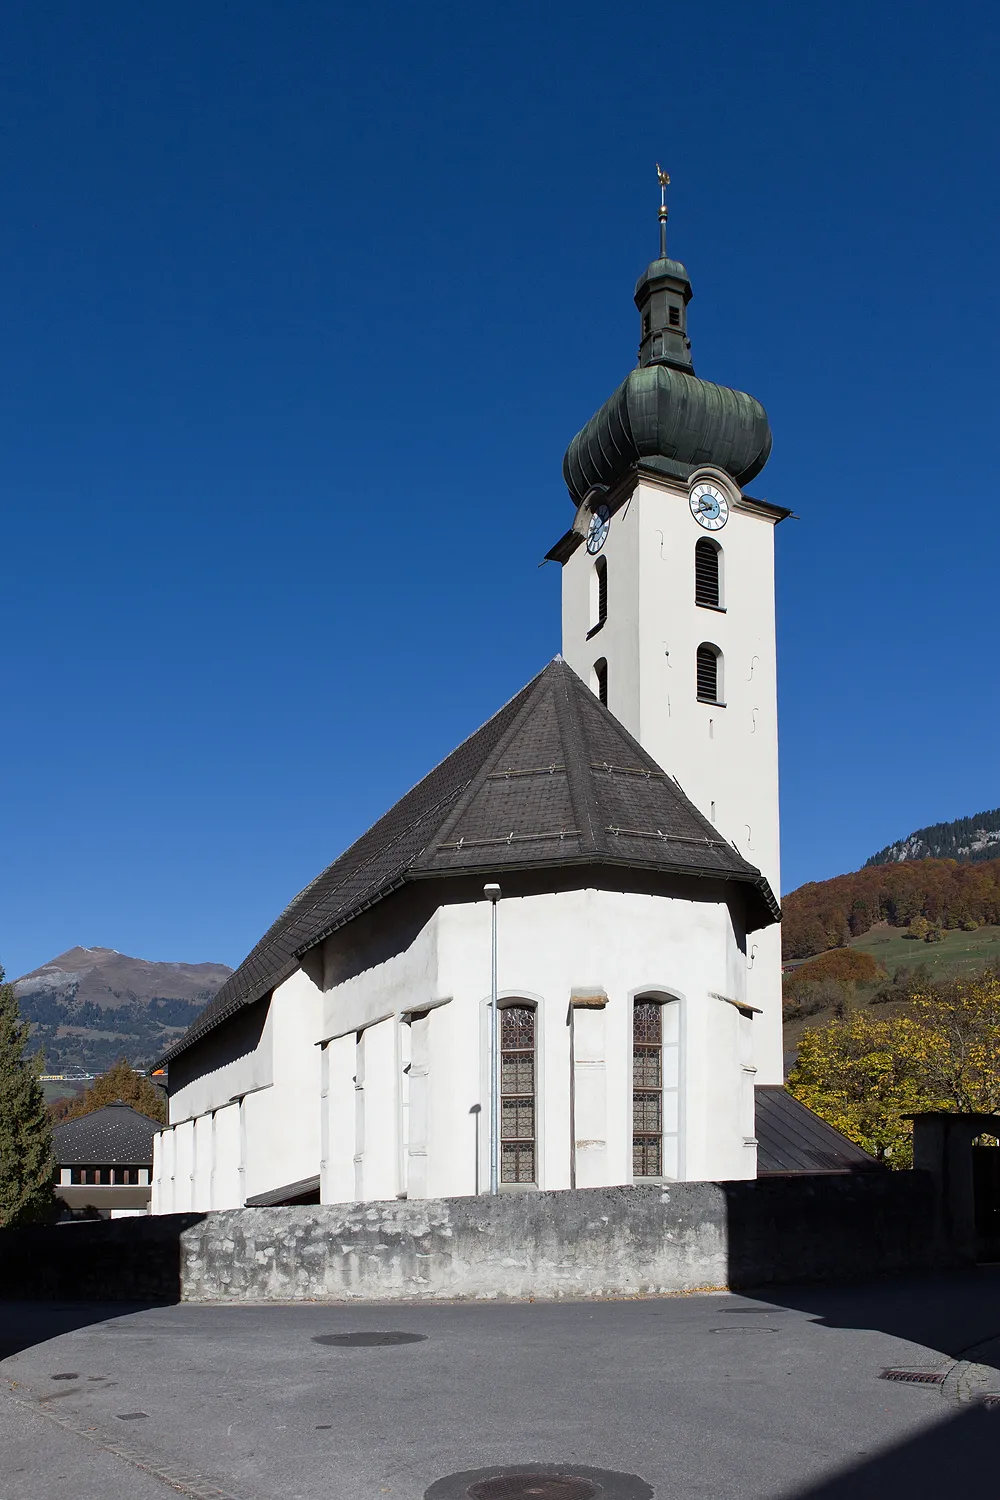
column 517, row 1094
column 647, row 1089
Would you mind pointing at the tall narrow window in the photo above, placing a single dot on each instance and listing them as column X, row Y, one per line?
column 598, row 596
column 709, row 674
column 517, row 1093
column 601, row 680
column 706, row 573
column 647, row 1089
column 675, row 317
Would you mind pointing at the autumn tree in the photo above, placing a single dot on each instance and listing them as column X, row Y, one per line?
column 27, row 1167
column 937, row 1049
column 121, row 1083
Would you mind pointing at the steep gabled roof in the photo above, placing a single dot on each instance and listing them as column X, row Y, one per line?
column 553, row 779
column 112, row 1136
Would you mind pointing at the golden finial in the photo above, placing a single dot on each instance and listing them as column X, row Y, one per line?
column 664, row 181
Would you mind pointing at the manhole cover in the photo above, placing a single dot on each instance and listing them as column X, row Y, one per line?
column 551, row 1481
column 367, row 1340
column 746, row 1328
column 533, row 1487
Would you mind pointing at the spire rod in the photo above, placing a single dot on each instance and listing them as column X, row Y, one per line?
column 664, row 180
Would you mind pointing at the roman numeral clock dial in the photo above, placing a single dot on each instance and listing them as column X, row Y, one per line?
column 709, row 506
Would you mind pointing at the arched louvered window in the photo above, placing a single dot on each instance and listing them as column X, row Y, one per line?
column 709, row 673
column 601, row 680
column 707, row 573
column 598, row 596
column 517, row 1093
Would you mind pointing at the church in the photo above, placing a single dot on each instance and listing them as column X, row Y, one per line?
column 617, row 820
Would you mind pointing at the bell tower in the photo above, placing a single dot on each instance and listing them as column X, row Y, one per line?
column 668, row 594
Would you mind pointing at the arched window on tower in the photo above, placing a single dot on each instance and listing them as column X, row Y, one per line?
column 517, row 1093
column 598, row 596
column 708, row 573
column 709, row 673
column 600, row 682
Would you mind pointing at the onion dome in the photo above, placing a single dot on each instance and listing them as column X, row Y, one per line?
column 662, row 415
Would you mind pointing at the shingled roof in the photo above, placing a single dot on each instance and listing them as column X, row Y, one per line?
column 112, row 1136
column 553, row 779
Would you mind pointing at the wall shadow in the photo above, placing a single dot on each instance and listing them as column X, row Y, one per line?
column 135, row 1260
column 956, row 1457
column 954, row 1314
column 24, row 1324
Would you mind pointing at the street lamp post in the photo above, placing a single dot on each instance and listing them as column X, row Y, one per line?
column 492, row 894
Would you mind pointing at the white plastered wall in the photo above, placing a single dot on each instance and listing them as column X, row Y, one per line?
column 424, row 1131
column 251, row 1124
column 724, row 758
column 380, row 1084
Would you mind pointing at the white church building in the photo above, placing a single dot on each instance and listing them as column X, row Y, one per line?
column 625, row 801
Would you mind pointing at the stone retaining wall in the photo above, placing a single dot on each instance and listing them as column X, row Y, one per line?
column 625, row 1241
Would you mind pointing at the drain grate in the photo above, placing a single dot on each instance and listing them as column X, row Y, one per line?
column 66, row 1376
column 914, row 1377
column 367, row 1340
column 132, row 1416
column 992, row 1401
column 533, row 1487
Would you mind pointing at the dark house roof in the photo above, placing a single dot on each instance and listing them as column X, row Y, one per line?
column 551, row 780
column 115, row 1135
column 304, row 1192
column 790, row 1138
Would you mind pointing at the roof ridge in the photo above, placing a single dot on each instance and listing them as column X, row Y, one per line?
column 577, row 758
column 476, row 780
column 653, row 765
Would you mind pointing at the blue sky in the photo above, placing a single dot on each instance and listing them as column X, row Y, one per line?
column 301, row 306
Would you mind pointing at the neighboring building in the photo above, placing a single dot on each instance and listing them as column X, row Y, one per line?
column 639, row 955
column 105, row 1160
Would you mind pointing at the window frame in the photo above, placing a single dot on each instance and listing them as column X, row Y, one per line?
column 505, row 1004
column 647, row 1089
column 599, row 684
column 708, row 545
column 598, row 596
column 718, row 701
column 672, row 1010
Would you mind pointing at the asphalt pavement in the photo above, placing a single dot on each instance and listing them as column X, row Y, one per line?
column 713, row 1395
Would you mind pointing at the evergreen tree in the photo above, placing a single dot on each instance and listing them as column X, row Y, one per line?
column 122, row 1083
column 27, row 1167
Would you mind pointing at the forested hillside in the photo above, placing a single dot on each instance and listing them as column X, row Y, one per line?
column 90, row 1006
column 968, row 839
column 947, row 894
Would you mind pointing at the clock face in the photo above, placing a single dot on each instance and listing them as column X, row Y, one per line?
column 709, row 506
column 600, row 525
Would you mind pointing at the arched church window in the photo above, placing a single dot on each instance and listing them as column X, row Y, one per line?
column 647, row 1088
column 517, row 1093
column 709, row 672
column 707, row 573
column 600, row 683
